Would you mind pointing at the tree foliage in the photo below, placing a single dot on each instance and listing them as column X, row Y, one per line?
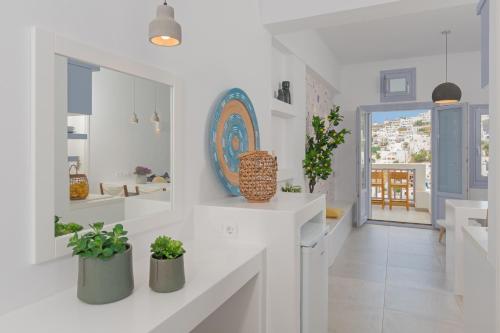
column 319, row 147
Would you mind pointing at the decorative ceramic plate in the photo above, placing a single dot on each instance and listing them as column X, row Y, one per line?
column 233, row 131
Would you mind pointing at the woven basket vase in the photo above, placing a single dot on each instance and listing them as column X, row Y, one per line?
column 258, row 176
column 78, row 185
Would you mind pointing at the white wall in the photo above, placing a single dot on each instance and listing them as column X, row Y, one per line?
column 308, row 46
column 360, row 86
column 224, row 46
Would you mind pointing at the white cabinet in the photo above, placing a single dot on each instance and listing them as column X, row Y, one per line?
column 277, row 225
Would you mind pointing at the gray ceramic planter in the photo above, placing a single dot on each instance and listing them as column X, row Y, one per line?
column 105, row 281
column 166, row 275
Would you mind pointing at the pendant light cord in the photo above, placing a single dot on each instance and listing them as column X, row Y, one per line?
column 446, row 75
column 446, row 33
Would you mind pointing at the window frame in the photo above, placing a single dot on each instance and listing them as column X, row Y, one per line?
column 476, row 180
column 409, row 74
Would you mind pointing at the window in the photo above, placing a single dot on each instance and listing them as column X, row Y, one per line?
column 398, row 85
column 479, row 144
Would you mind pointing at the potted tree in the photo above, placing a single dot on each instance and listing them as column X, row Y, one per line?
column 166, row 270
column 105, row 272
column 319, row 147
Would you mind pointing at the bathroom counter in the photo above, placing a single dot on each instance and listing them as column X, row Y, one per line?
column 215, row 271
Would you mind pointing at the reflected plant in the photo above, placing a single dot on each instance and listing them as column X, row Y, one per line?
column 142, row 171
column 61, row 229
column 99, row 243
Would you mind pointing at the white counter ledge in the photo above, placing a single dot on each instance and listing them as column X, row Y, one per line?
column 214, row 272
column 479, row 236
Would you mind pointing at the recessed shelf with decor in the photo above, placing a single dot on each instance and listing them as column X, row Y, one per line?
column 77, row 136
column 282, row 109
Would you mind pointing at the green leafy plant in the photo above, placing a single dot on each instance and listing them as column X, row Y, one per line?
column 291, row 188
column 319, row 147
column 99, row 243
column 61, row 229
column 165, row 247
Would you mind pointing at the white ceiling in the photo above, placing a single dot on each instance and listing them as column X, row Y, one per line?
column 405, row 36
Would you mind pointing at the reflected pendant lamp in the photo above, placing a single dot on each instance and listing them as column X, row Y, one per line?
column 164, row 30
column 447, row 92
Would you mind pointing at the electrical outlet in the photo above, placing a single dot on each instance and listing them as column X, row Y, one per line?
column 229, row 229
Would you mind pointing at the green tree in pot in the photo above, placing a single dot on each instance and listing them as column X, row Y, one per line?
column 319, row 147
column 105, row 272
column 166, row 269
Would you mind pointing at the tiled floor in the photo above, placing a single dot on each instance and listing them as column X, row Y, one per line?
column 400, row 214
column 392, row 280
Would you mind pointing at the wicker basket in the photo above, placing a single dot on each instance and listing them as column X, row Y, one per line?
column 78, row 185
column 258, row 176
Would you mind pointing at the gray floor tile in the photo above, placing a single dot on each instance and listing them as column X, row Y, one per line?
column 354, row 318
column 358, row 270
column 355, row 291
column 426, row 303
column 414, row 261
column 421, row 279
column 400, row 322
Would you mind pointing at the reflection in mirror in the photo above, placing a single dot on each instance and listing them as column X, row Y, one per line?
column 112, row 145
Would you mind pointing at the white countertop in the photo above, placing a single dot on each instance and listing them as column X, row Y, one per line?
column 479, row 236
column 469, row 204
column 282, row 201
column 214, row 272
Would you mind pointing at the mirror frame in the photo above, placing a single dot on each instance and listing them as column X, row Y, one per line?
column 44, row 46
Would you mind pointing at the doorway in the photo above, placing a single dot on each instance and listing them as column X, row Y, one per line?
column 401, row 148
column 400, row 166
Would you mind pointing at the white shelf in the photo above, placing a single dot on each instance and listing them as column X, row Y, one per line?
column 282, row 109
column 285, row 174
column 208, row 286
column 77, row 136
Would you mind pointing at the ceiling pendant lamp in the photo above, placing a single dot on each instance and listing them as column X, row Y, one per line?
column 447, row 92
column 164, row 30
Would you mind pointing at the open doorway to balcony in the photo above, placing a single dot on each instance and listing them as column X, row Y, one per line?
column 400, row 166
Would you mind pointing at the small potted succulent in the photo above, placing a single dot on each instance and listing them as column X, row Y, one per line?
column 166, row 269
column 105, row 272
column 141, row 174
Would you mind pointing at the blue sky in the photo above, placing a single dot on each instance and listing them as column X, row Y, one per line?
column 380, row 117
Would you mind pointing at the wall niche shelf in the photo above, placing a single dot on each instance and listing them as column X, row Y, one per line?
column 282, row 109
column 77, row 136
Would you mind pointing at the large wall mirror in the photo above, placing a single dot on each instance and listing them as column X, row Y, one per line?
column 104, row 145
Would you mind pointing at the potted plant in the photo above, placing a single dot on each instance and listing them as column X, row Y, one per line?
column 291, row 188
column 166, row 269
column 104, row 264
column 141, row 174
column 319, row 147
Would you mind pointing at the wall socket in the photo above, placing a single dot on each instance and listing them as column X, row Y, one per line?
column 229, row 229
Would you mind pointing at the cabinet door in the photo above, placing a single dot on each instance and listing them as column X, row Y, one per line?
column 80, row 87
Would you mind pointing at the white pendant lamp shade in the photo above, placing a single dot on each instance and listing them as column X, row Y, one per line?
column 164, row 30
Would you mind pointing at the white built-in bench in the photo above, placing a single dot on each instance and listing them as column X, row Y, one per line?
column 338, row 229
